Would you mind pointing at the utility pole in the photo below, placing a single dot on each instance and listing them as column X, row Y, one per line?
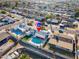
column 76, row 47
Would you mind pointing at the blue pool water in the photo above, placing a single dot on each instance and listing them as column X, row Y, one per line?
column 17, row 31
column 37, row 40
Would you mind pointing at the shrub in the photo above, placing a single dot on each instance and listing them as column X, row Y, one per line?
column 3, row 12
column 24, row 56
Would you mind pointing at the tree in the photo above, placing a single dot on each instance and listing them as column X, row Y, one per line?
column 24, row 56
column 30, row 23
column 42, row 28
column 0, row 4
column 49, row 16
column 58, row 17
column 68, row 5
column 13, row 7
column 76, row 12
column 76, row 9
column 3, row 12
column 16, row 4
column 24, row 4
column 6, row 4
column 56, row 6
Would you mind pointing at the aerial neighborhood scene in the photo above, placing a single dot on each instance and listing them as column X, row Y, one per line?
column 39, row 29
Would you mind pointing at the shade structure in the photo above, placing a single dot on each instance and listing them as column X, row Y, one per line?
column 38, row 28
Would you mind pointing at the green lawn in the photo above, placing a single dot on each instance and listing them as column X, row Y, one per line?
column 14, row 35
column 10, row 41
column 26, row 38
column 24, row 56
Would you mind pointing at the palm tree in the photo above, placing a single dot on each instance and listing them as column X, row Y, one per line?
column 50, row 16
column 24, row 56
column 76, row 43
column 0, row 4
column 67, row 5
column 6, row 4
column 24, row 4
column 76, row 12
column 16, row 4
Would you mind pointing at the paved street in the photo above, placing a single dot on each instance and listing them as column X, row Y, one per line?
column 59, row 18
column 10, row 25
column 13, row 49
column 41, row 51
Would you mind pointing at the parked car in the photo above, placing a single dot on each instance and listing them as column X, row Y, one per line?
column 71, row 20
column 8, row 20
column 61, row 30
column 53, row 21
column 13, row 11
column 15, row 54
column 1, row 24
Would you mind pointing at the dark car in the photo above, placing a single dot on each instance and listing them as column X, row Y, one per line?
column 53, row 21
column 1, row 24
column 61, row 30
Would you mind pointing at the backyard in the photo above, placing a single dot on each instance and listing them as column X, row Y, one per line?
column 24, row 56
column 10, row 41
column 26, row 38
column 60, row 50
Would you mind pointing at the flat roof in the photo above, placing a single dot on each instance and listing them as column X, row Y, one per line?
column 3, row 35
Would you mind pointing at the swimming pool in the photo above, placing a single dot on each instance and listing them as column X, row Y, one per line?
column 17, row 31
column 37, row 40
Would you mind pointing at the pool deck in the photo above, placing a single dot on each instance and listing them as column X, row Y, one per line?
column 15, row 35
column 39, row 45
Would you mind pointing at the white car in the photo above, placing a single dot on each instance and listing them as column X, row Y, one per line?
column 13, row 55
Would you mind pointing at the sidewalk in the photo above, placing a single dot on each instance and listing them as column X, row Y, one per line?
column 63, row 56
